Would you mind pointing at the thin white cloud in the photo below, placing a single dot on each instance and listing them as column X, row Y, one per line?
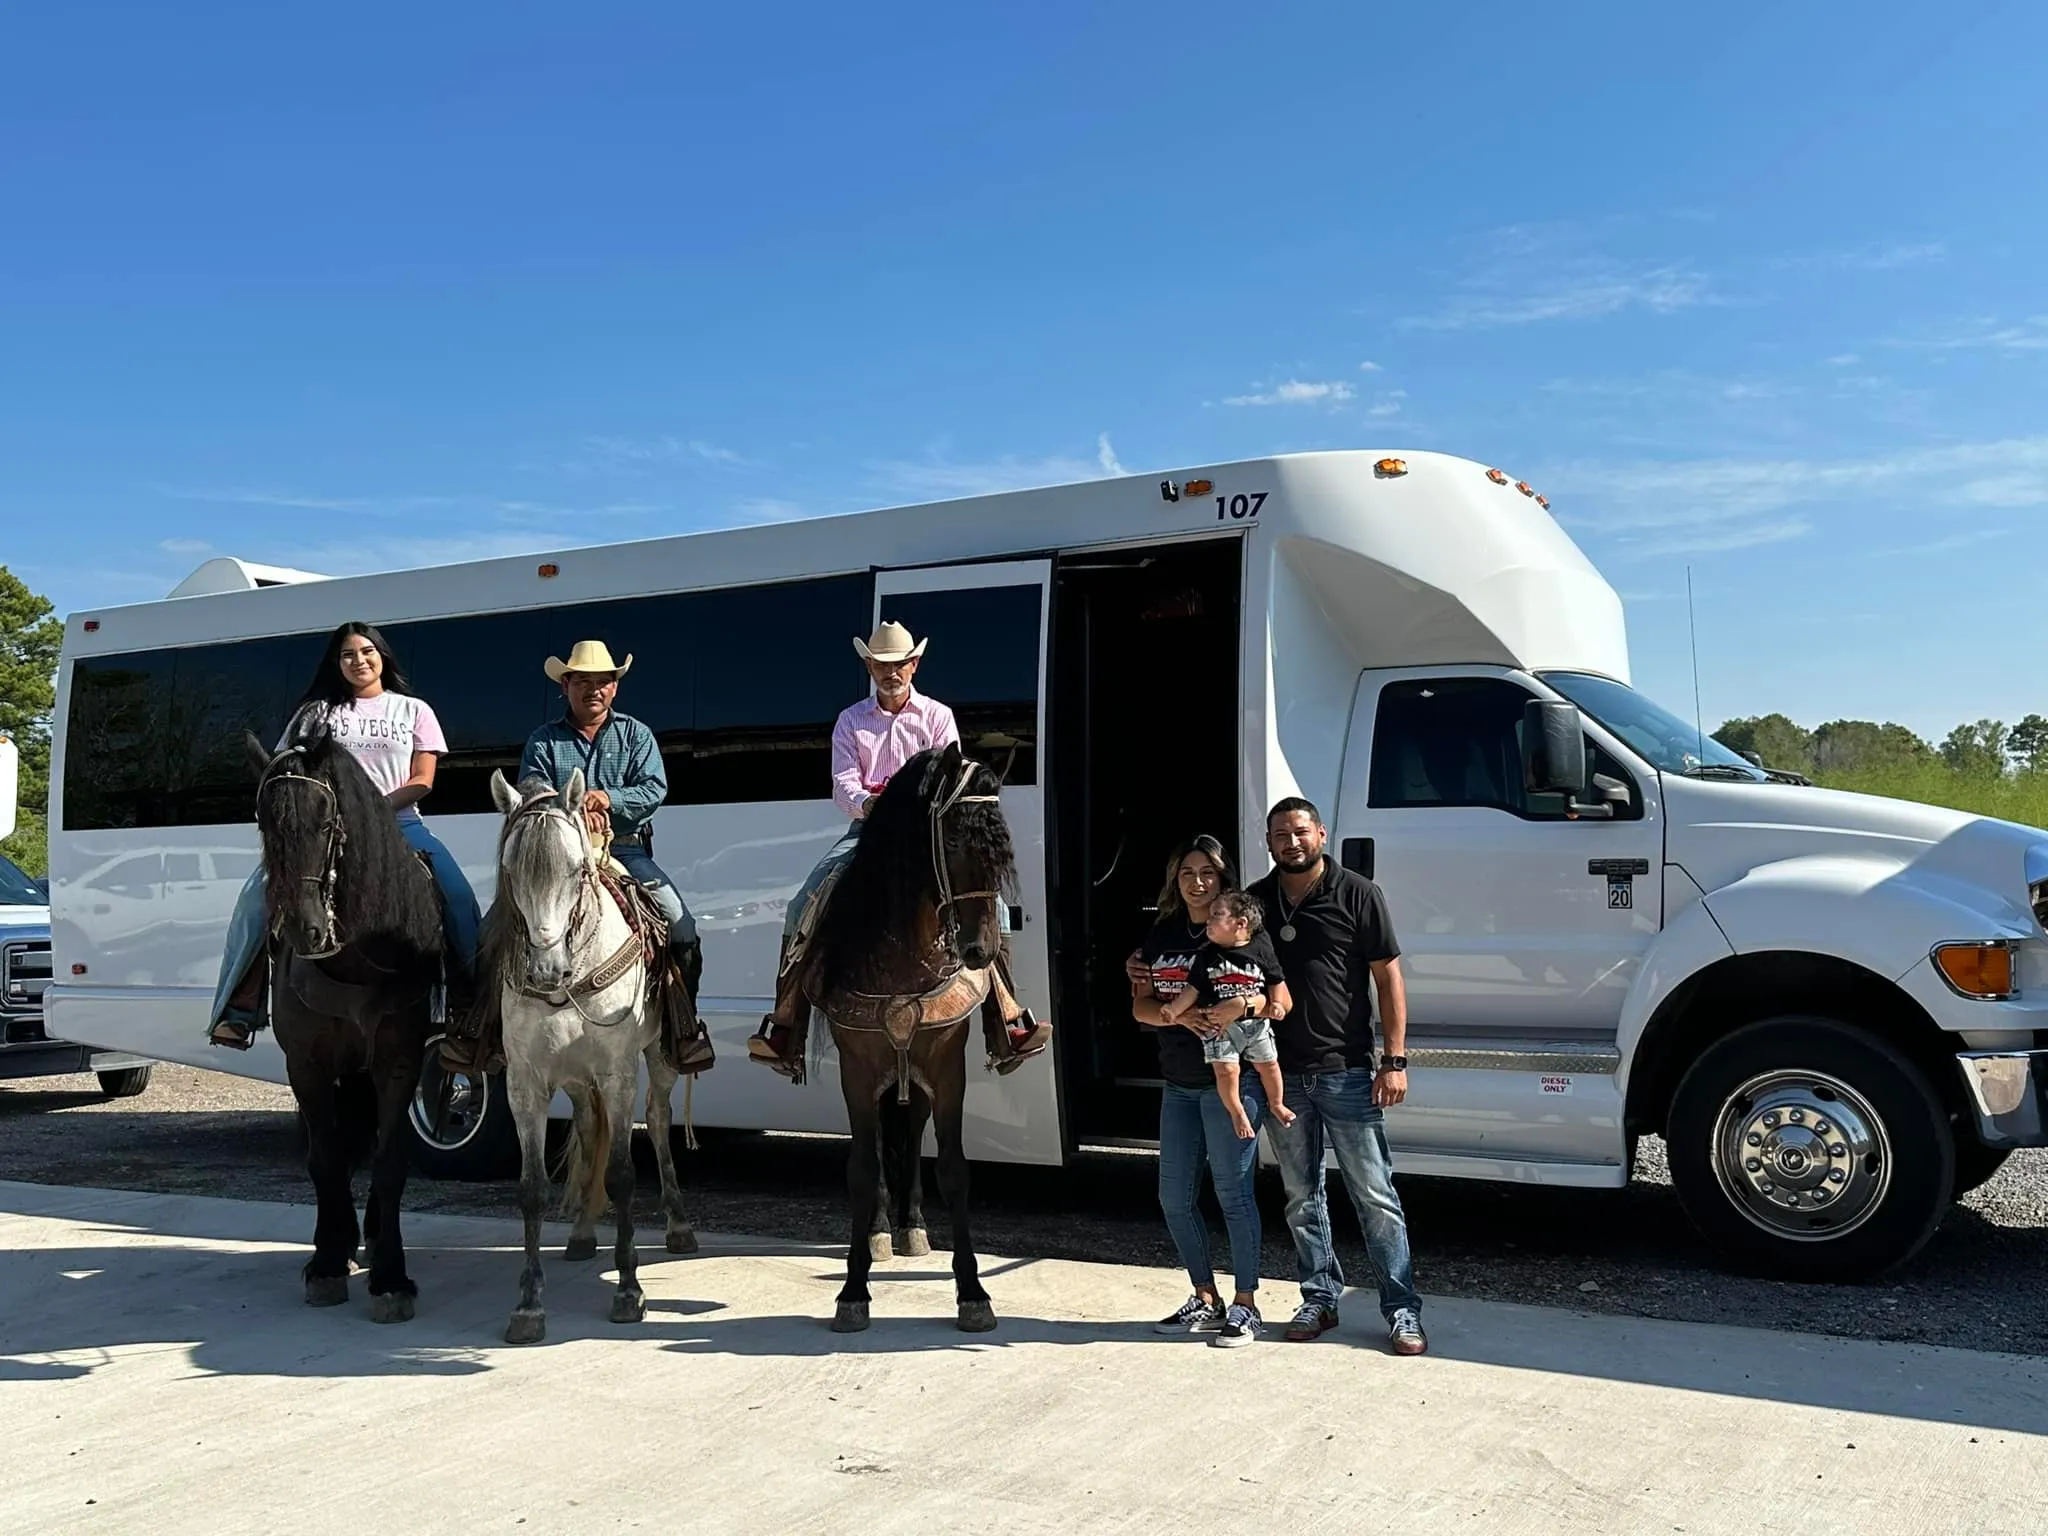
column 1297, row 392
column 942, row 478
column 1387, row 403
column 2028, row 335
column 1942, row 546
column 1368, row 367
column 185, row 546
column 632, row 456
column 1704, row 505
column 365, row 556
column 1844, row 360
column 1105, row 455
column 1868, row 258
column 768, row 509
column 1527, row 274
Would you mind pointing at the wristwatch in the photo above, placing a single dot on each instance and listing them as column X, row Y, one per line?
column 1393, row 1063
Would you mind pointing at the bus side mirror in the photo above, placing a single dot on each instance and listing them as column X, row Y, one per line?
column 1553, row 749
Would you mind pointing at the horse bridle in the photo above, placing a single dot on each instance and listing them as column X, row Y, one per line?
column 948, row 897
column 608, row 971
column 330, row 863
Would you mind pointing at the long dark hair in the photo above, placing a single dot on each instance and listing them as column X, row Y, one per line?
column 1170, row 904
column 330, row 688
column 875, row 906
column 380, row 890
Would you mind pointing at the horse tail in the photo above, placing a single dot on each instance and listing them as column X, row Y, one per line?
column 589, row 1152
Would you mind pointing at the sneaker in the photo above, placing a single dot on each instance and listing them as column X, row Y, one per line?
column 1404, row 1332
column 1195, row 1316
column 1241, row 1325
column 1311, row 1321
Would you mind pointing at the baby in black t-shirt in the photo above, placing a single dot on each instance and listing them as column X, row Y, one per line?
column 1235, row 972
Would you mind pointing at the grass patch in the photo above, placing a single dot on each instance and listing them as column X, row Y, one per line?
column 2019, row 797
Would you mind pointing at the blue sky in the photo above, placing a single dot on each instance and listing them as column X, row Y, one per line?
column 1755, row 288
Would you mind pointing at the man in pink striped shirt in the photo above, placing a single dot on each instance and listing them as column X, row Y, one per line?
column 870, row 742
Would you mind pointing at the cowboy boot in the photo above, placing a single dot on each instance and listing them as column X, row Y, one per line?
column 244, row 1013
column 779, row 1043
column 691, row 1044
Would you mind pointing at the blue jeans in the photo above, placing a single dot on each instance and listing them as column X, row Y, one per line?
column 1195, row 1133
column 1338, row 1106
column 460, row 920
column 639, row 863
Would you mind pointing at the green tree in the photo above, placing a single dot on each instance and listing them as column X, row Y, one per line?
column 1775, row 738
column 1977, row 751
column 1860, row 746
column 2028, row 744
column 29, row 642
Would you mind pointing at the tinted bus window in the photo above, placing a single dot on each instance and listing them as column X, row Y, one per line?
column 116, row 745
column 982, row 660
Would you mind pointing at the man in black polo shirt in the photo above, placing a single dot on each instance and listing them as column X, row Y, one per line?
column 1337, row 947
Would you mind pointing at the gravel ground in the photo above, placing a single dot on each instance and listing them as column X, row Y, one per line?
column 1979, row 1284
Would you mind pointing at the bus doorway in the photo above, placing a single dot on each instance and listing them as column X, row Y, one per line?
column 1143, row 741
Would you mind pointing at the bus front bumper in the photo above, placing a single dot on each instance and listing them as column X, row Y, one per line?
column 2009, row 1092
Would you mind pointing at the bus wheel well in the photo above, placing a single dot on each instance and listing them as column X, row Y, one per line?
column 1744, row 988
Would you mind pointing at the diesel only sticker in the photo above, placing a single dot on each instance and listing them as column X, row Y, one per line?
column 1557, row 1085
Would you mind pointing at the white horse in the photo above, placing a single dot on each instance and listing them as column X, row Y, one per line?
column 578, row 1016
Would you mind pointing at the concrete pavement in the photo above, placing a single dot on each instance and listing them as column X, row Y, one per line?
column 159, row 1372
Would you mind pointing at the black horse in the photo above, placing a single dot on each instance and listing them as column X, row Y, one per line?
column 899, row 965
column 355, row 935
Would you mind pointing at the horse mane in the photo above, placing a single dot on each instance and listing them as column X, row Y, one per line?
column 881, row 896
column 379, row 889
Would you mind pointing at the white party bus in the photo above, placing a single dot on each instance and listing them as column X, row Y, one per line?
column 1830, row 1006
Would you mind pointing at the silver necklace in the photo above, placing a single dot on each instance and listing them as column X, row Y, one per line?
column 1287, row 929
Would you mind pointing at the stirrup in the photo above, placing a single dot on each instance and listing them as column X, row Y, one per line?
column 761, row 1048
column 1033, row 1040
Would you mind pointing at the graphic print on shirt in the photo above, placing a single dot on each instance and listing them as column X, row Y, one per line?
column 1234, row 975
column 381, row 734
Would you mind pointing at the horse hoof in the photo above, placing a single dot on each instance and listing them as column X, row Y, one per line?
column 851, row 1317
column 326, row 1290
column 580, row 1249
column 526, row 1327
column 682, row 1241
column 879, row 1247
column 977, row 1317
column 915, row 1243
column 391, row 1307
column 627, row 1308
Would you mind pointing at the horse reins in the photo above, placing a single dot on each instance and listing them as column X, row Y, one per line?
column 948, row 897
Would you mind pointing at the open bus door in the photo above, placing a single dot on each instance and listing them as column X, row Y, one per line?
column 986, row 627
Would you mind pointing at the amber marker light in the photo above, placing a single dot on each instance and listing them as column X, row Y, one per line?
column 1981, row 970
column 1525, row 488
column 1496, row 477
column 1198, row 488
column 550, row 570
column 1388, row 469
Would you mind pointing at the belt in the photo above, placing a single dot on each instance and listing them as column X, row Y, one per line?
column 626, row 842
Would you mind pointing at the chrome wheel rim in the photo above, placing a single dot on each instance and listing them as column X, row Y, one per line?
column 448, row 1108
column 1802, row 1155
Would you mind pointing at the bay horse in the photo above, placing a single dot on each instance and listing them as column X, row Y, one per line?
column 574, row 984
column 355, row 939
column 899, row 964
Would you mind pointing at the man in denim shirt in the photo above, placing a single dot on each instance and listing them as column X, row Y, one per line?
column 1337, row 947
column 624, row 781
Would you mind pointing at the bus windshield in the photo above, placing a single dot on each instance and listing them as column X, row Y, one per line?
column 1668, row 743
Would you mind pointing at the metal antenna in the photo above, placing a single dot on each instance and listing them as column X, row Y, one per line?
column 1693, row 629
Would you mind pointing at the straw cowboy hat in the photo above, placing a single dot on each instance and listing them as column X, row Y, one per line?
column 890, row 642
column 588, row 656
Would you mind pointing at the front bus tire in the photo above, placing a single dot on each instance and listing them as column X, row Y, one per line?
column 461, row 1124
column 1811, row 1150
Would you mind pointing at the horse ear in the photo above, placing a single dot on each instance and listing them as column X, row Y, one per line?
column 503, row 795
column 258, row 754
column 572, row 793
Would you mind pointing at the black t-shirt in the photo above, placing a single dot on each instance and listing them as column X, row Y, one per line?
column 1225, row 975
column 1170, row 950
column 1340, row 929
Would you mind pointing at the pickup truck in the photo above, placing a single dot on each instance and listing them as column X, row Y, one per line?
column 25, row 1049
